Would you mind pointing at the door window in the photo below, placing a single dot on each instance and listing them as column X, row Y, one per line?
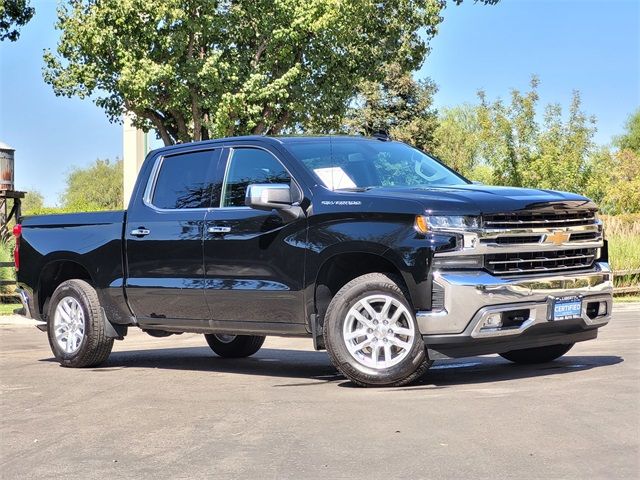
column 185, row 181
column 248, row 166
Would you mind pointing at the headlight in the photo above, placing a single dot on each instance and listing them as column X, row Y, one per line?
column 429, row 223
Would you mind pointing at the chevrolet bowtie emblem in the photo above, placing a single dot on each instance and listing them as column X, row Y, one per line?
column 557, row 238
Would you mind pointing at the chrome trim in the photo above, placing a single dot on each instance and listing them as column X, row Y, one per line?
column 474, row 241
column 467, row 293
column 538, row 314
column 539, row 222
column 140, row 232
column 495, row 262
column 218, row 229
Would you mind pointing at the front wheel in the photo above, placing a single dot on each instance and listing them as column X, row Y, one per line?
column 234, row 346
column 371, row 333
column 530, row 356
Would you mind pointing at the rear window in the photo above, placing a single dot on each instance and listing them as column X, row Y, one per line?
column 185, row 181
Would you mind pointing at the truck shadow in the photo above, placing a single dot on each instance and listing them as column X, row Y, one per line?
column 316, row 368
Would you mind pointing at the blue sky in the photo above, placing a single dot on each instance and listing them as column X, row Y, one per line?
column 592, row 46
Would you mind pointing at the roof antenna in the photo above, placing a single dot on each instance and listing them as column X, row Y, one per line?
column 381, row 135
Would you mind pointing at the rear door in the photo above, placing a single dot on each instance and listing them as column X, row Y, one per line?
column 254, row 260
column 164, row 235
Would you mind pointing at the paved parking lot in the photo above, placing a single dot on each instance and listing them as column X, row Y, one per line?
column 168, row 408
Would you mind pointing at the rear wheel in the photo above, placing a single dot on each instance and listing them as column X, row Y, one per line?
column 530, row 356
column 234, row 346
column 76, row 328
column 371, row 333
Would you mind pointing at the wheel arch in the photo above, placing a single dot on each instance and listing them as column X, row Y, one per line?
column 55, row 272
column 340, row 268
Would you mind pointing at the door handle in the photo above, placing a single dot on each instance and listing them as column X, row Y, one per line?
column 140, row 232
column 219, row 229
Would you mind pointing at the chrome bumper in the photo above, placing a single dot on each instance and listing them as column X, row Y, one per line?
column 470, row 297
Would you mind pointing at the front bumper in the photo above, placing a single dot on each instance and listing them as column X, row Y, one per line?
column 471, row 297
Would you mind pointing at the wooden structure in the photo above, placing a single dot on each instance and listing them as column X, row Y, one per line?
column 10, row 201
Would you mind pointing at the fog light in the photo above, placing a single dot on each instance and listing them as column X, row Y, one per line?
column 602, row 309
column 494, row 320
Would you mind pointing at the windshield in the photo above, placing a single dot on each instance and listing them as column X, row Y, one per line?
column 356, row 164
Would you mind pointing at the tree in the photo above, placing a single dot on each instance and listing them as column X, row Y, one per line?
column 457, row 138
column 630, row 140
column 32, row 203
column 398, row 105
column 97, row 187
column 614, row 175
column 523, row 153
column 14, row 14
column 194, row 69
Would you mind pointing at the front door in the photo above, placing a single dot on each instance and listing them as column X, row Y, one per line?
column 254, row 260
column 164, row 235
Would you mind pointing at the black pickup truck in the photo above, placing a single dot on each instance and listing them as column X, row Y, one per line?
column 375, row 250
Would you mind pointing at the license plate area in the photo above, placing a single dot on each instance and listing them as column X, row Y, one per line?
column 565, row 308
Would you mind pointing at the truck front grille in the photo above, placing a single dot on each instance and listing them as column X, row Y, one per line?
column 540, row 219
column 539, row 262
column 525, row 242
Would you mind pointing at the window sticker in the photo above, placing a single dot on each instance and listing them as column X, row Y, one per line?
column 335, row 178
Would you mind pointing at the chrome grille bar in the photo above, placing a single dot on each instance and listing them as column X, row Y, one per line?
column 558, row 218
column 494, row 262
column 529, row 262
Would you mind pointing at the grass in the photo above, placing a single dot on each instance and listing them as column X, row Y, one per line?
column 8, row 308
column 627, row 299
column 623, row 234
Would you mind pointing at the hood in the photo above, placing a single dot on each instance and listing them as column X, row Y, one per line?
column 469, row 199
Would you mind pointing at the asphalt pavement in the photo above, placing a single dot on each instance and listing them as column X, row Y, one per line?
column 169, row 408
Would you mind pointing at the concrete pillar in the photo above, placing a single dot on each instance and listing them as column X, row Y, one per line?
column 134, row 149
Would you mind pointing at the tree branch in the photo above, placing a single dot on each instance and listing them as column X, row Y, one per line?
column 196, row 112
column 261, row 48
column 183, row 131
column 262, row 124
column 159, row 125
column 283, row 119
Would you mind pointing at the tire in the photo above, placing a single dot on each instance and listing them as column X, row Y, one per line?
column 234, row 346
column 74, row 311
column 529, row 356
column 405, row 356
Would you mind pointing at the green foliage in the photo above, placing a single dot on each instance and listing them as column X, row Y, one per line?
column 630, row 140
column 197, row 69
column 458, row 141
column 33, row 201
column 623, row 234
column 398, row 105
column 97, row 187
column 14, row 14
column 552, row 155
column 614, row 175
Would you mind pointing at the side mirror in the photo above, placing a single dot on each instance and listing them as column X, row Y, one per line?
column 268, row 196
column 476, row 182
column 273, row 196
